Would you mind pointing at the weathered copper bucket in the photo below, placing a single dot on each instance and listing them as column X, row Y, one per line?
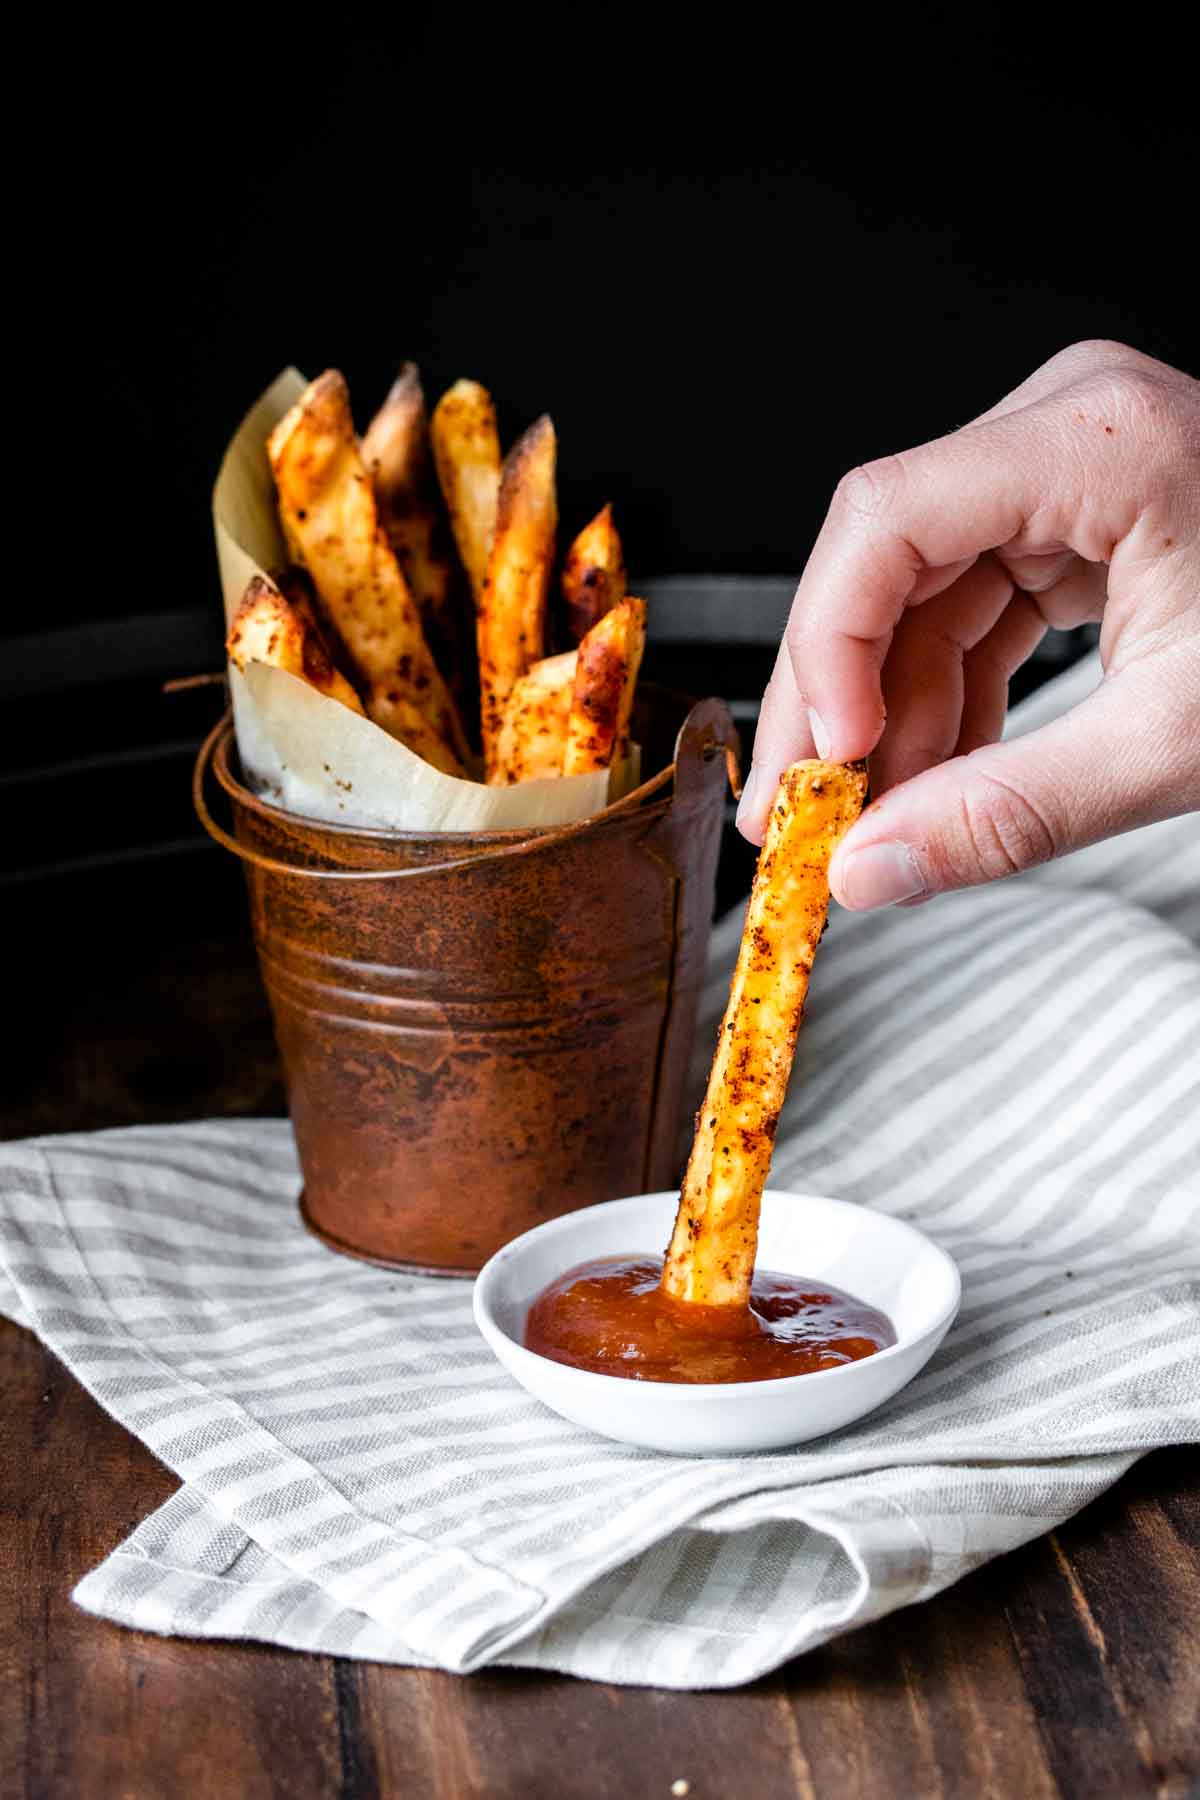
column 481, row 1032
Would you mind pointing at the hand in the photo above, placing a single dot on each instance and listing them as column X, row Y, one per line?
column 934, row 577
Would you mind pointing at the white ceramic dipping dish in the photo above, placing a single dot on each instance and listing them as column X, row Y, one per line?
column 878, row 1259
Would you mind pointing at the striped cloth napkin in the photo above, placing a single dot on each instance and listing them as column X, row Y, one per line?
column 1014, row 1068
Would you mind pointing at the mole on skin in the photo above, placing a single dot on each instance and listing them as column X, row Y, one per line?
column 612, row 1316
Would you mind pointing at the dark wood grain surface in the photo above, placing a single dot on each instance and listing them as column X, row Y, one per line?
column 1069, row 1668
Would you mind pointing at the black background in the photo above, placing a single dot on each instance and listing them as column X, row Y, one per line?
column 731, row 263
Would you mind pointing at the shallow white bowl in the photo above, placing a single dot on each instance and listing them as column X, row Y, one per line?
column 881, row 1260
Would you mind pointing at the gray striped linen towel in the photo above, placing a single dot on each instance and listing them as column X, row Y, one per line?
column 1016, row 1068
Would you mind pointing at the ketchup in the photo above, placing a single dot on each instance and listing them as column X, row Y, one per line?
column 612, row 1316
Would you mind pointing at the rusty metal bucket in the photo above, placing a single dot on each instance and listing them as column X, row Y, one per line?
column 482, row 1032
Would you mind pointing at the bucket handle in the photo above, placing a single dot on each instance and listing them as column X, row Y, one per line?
column 711, row 748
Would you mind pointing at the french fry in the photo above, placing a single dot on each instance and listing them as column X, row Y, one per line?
column 593, row 577
column 328, row 508
column 711, row 1256
column 295, row 584
column 404, row 721
column 269, row 628
column 533, row 733
column 511, row 617
column 602, row 697
column 280, row 629
column 295, row 549
column 466, row 453
column 395, row 450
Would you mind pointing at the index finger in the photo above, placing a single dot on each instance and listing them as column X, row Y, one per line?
column 899, row 531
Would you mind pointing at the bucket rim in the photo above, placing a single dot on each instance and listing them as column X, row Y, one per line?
column 381, row 836
column 706, row 732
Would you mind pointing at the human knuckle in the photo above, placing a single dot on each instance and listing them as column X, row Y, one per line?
column 944, row 640
column 1144, row 398
column 1098, row 353
column 1140, row 391
column 1000, row 830
column 1090, row 356
column 988, row 665
column 869, row 490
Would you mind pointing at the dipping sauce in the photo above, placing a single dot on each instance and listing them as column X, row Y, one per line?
column 612, row 1316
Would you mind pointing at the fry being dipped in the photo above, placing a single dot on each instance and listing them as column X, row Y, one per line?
column 711, row 1256
column 705, row 1314
column 328, row 508
column 511, row 616
column 593, row 576
column 269, row 628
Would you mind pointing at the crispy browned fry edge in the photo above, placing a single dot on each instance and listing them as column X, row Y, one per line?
column 466, row 453
column 328, row 507
column 295, row 584
column 593, row 577
column 711, row 1256
column 395, row 449
column 605, row 679
column 533, row 733
column 511, row 620
column 269, row 628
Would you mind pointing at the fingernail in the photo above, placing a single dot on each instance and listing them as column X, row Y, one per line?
column 881, row 875
column 820, row 736
column 749, row 792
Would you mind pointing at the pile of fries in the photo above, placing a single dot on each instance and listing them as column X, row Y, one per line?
column 395, row 537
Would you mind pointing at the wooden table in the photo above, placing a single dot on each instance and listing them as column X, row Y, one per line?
column 1071, row 1667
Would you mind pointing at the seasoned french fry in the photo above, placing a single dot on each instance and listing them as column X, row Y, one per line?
column 295, row 584
column 466, row 452
column 402, row 720
column 511, row 619
column 395, row 450
column 295, row 549
column 593, row 577
column 269, row 628
column 281, row 629
column 328, row 507
column 533, row 733
column 605, row 679
column 711, row 1256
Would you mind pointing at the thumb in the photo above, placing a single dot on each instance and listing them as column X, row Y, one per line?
column 1130, row 754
